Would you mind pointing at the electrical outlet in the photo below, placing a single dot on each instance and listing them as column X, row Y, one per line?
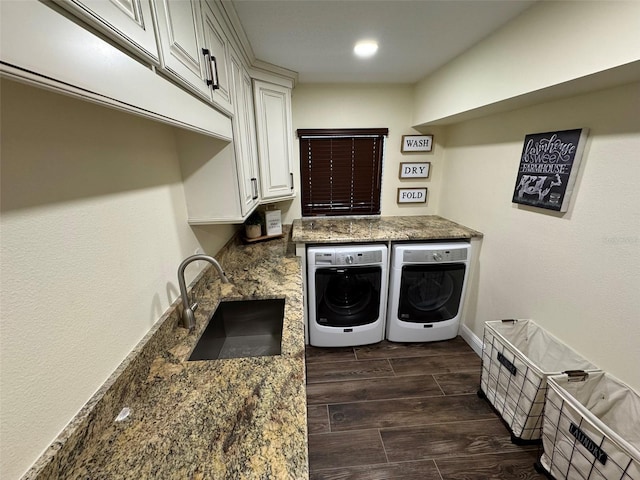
column 198, row 262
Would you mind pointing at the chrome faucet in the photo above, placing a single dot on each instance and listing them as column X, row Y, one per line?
column 188, row 318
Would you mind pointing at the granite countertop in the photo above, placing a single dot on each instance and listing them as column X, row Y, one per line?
column 242, row 418
column 378, row 229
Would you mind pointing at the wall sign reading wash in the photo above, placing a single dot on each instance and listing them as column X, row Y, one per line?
column 417, row 143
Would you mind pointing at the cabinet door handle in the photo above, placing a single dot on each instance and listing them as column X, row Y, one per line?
column 291, row 173
column 254, row 184
column 207, row 57
column 215, row 85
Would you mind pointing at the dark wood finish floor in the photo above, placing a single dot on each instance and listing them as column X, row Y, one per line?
column 407, row 412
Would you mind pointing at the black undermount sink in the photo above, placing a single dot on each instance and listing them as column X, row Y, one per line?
column 245, row 328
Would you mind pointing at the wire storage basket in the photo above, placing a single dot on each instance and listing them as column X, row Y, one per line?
column 591, row 428
column 517, row 358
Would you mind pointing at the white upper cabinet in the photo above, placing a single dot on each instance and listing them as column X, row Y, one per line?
column 129, row 22
column 216, row 42
column 275, row 140
column 43, row 48
column 181, row 40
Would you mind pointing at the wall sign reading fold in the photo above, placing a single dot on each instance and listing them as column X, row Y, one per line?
column 412, row 195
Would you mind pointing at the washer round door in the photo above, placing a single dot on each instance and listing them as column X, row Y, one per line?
column 348, row 294
column 348, row 297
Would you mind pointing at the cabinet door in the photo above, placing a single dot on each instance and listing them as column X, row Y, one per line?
column 249, row 136
column 129, row 22
column 244, row 134
column 275, row 142
column 216, row 41
column 180, row 33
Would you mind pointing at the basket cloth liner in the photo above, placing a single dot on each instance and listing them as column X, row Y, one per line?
column 545, row 352
column 535, row 354
column 607, row 411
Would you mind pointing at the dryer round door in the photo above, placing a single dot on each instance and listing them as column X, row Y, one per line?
column 430, row 290
column 430, row 293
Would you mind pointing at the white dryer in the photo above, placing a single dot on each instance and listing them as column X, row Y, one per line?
column 347, row 292
column 426, row 289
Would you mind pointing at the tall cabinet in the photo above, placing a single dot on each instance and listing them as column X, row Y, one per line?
column 244, row 135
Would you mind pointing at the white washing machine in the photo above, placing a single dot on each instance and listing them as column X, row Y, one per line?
column 426, row 289
column 347, row 294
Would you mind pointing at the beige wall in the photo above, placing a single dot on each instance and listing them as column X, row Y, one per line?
column 94, row 223
column 548, row 45
column 577, row 274
column 369, row 106
column 93, row 229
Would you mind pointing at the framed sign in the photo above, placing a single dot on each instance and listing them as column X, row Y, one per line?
column 548, row 168
column 417, row 143
column 412, row 195
column 414, row 169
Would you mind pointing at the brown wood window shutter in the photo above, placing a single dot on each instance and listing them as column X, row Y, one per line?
column 341, row 171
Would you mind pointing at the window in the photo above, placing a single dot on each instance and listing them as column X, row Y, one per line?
column 341, row 171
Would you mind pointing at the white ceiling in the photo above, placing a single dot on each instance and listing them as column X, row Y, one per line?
column 315, row 38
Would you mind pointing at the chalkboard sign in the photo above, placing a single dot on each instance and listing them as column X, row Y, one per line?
column 548, row 168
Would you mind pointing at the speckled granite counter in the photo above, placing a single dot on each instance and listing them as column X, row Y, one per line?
column 235, row 419
column 378, row 229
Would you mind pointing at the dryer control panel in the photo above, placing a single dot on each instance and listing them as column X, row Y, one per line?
column 435, row 256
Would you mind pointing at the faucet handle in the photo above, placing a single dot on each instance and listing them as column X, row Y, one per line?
column 194, row 307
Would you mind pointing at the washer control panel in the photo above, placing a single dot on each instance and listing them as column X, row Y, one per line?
column 332, row 257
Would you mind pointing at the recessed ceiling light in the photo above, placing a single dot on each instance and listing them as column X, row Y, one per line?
column 366, row 48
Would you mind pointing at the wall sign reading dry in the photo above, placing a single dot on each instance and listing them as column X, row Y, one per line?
column 414, row 169
column 548, row 168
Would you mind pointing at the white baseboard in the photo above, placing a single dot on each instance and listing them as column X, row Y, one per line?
column 472, row 339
